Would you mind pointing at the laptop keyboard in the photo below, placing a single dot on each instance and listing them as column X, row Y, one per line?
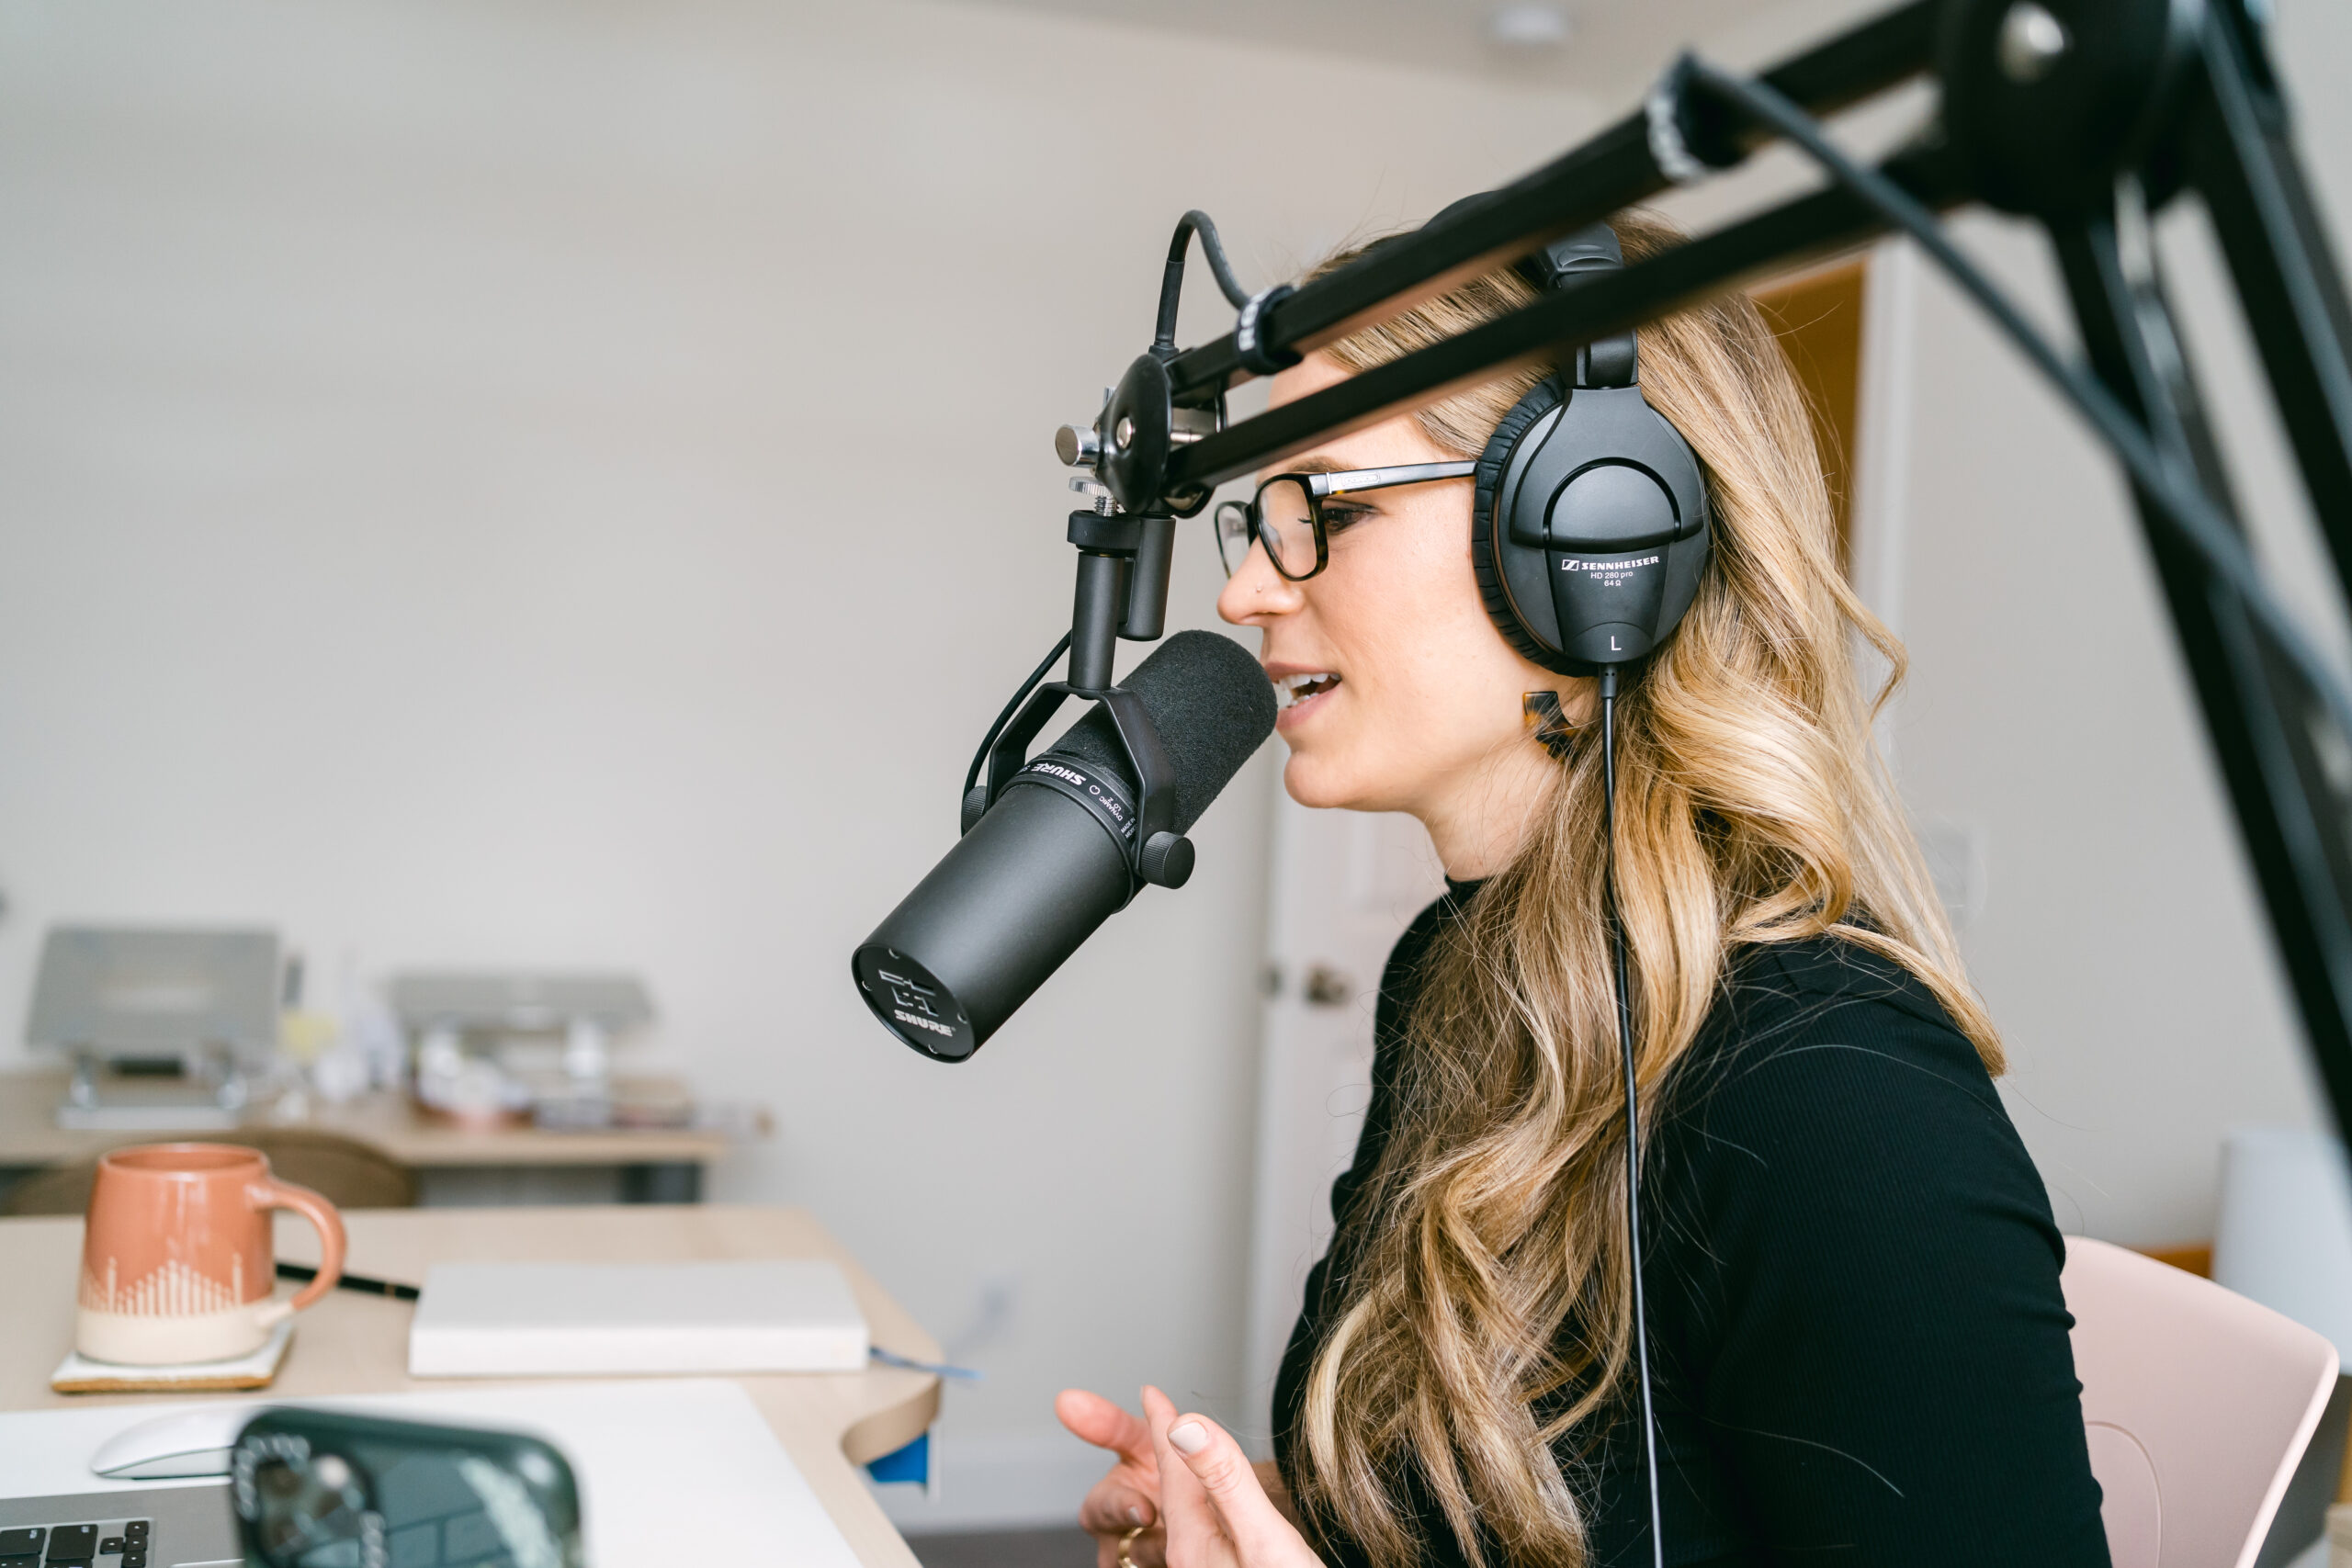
column 117, row 1543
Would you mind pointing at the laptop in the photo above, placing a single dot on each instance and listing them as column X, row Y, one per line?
column 182, row 1527
column 677, row 1471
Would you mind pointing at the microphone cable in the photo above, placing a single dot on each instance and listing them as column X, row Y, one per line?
column 2177, row 502
column 1632, row 1102
column 980, row 757
column 1171, row 282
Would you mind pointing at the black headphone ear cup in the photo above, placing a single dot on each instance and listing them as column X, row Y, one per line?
column 1488, row 536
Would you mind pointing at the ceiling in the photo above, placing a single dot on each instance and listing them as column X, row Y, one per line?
column 1609, row 50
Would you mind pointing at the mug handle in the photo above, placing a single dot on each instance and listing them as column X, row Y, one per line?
column 274, row 1194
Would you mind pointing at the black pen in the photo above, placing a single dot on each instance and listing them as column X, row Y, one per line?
column 303, row 1273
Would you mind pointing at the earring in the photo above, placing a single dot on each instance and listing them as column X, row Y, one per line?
column 1540, row 713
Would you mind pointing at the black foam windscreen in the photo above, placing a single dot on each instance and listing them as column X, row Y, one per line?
column 1211, row 704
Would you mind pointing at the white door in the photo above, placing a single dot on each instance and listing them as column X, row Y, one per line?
column 1344, row 884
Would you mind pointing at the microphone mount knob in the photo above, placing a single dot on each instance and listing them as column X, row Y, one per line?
column 1077, row 446
column 1165, row 861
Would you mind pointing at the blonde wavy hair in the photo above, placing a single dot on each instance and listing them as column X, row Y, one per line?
column 1483, row 1317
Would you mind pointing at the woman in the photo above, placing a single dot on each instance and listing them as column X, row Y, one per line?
column 1854, row 1323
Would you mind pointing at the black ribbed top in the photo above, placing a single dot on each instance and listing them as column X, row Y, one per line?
column 1860, row 1346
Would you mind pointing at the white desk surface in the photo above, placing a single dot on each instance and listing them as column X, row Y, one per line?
column 670, row 1471
column 353, row 1344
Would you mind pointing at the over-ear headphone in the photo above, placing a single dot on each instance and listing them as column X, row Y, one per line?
column 1590, row 530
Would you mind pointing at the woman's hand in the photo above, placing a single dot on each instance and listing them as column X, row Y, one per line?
column 1215, row 1511
column 1127, row 1499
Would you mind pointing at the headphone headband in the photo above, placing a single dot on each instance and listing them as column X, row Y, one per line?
column 1587, row 249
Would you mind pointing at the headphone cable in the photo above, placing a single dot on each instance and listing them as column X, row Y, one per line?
column 1633, row 1106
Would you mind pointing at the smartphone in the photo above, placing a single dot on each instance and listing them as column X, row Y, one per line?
column 326, row 1489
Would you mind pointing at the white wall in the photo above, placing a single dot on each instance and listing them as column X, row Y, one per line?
column 531, row 483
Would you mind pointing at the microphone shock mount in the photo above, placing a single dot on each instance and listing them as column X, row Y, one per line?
column 1126, row 541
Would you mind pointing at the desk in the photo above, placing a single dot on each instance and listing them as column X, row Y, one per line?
column 352, row 1344
column 658, row 1165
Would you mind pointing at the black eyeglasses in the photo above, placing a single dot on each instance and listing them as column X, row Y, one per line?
column 1290, row 514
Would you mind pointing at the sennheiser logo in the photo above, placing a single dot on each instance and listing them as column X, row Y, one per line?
column 1575, row 564
column 921, row 1023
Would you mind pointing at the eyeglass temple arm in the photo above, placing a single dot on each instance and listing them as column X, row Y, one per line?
column 1348, row 480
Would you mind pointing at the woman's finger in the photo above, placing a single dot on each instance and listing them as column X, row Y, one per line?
column 1106, row 1425
column 1113, row 1507
column 1128, row 1496
column 1195, row 1539
column 1208, row 1453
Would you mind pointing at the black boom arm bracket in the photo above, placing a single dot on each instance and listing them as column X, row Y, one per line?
column 2084, row 116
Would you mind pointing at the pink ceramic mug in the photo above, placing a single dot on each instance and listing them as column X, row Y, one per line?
column 177, row 1264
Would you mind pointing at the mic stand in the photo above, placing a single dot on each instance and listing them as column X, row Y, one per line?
column 1122, row 565
column 2082, row 115
column 1123, row 555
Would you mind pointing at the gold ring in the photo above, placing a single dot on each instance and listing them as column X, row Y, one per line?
column 1125, row 1542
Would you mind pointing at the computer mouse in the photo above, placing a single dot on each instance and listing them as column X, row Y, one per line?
column 185, row 1443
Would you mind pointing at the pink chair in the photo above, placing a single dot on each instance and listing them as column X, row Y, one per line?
column 2198, row 1404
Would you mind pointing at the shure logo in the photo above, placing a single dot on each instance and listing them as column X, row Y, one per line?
column 1058, row 772
column 921, row 1022
column 1574, row 564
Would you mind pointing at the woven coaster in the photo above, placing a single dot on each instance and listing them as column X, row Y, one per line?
column 78, row 1374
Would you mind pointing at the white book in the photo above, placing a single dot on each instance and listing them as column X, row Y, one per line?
column 485, row 1320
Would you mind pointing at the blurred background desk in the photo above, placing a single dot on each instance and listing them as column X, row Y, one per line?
column 453, row 1165
column 354, row 1344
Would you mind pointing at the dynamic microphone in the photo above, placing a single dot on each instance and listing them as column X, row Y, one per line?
column 1049, row 862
